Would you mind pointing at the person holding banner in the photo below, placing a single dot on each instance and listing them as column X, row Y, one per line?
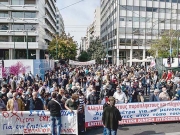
column 55, row 107
column 111, row 117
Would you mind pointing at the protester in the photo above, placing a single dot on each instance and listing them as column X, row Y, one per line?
column 55, row 107
column 155, row 96
column 111, row 117
column 15, row 104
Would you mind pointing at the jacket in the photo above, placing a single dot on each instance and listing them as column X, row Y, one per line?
column 111, row 117
column 10, row 104
column 36, row 104
column 152, row 98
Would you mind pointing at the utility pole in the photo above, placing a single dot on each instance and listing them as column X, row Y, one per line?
column 27, row 52
column 14, row 51
column 56, row 49
column 178, row 50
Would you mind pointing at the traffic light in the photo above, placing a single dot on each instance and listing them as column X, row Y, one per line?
column 168, row 60
column 172, row 60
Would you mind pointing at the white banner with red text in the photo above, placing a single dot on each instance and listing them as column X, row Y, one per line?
column 36, row 122
column 134, row 113
column 77, row 63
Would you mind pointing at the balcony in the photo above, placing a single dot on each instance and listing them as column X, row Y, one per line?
column 48, row 18
column 19, row 7
column 49, row 10
column 51, row 4
column 48, row 37
column 19, row 45
column 19, row 20
column 18, row 33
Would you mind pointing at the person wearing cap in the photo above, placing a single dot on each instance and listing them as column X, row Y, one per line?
column 111, row 117
column 155, row 96
column 120, row 96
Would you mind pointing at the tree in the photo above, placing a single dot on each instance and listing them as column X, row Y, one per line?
column 96, row 50
column 161, row 47
column 83, row 56
column 17, row 69
column 65, row 45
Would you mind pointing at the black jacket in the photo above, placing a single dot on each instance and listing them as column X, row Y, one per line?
column 111, row 116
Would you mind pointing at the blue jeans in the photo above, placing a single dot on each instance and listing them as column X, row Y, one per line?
column 111, row 131
column 55, row 124
column 104, row 131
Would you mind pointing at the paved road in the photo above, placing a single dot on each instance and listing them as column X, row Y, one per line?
column 143, row 129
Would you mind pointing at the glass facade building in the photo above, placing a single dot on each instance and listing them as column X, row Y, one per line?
column 129, row 26
column 26, row 20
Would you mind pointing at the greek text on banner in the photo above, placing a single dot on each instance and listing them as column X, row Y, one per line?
column 136, row 113
column 36, row 122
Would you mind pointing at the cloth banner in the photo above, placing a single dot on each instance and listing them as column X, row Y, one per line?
column 71, row 62
column 36, row 122
column 134, row 113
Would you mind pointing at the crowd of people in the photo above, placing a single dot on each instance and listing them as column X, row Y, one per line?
column 73, row 87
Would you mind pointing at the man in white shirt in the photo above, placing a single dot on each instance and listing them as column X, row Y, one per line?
column 120, row 96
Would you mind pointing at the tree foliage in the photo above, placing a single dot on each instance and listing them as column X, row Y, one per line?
column 96, row 50
column 83, row 56
column 17, row 69
column 66, row 47
column 161, row 47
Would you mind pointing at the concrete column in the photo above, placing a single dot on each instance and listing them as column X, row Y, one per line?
column 37, row 54
column 131, row 55
column 117, row 57
column 144, row 56
column 10, row 54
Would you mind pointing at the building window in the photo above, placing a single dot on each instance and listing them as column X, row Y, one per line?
column 31, row 39
column 128, row 41
column 30, row 15
column 136, row 8
column 18, row 27
column 18, row 39
column 18, row 14
column 29, row 2
column 174, row 1
column 4, row 38
column 149, row 9
column 4, row 26
column 4, row 14
column 142, row 8
column 17, row 2
column 30, row 27
column 4, row 2
column 122, row 40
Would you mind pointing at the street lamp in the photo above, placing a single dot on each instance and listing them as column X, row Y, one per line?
column 14, row 56
column 171, row 44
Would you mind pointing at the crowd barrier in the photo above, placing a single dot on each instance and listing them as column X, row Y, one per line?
column 134, row 113
column 36, row 122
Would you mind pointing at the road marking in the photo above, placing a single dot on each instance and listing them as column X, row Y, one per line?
column 175, row 133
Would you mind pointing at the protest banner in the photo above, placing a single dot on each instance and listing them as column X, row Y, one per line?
column 36, row 122
column 134, row 113
column 77, row 63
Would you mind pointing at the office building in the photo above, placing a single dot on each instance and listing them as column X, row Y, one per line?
column 59, row 23
column 26, row 20
column 128, row 27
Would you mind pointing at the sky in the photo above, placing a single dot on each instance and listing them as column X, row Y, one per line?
column 77, row 17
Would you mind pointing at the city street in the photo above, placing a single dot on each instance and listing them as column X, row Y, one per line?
column 143, row 129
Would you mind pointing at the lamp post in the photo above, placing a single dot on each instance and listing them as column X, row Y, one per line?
column 27, row 52
column 14, row 51
column 171, row 45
